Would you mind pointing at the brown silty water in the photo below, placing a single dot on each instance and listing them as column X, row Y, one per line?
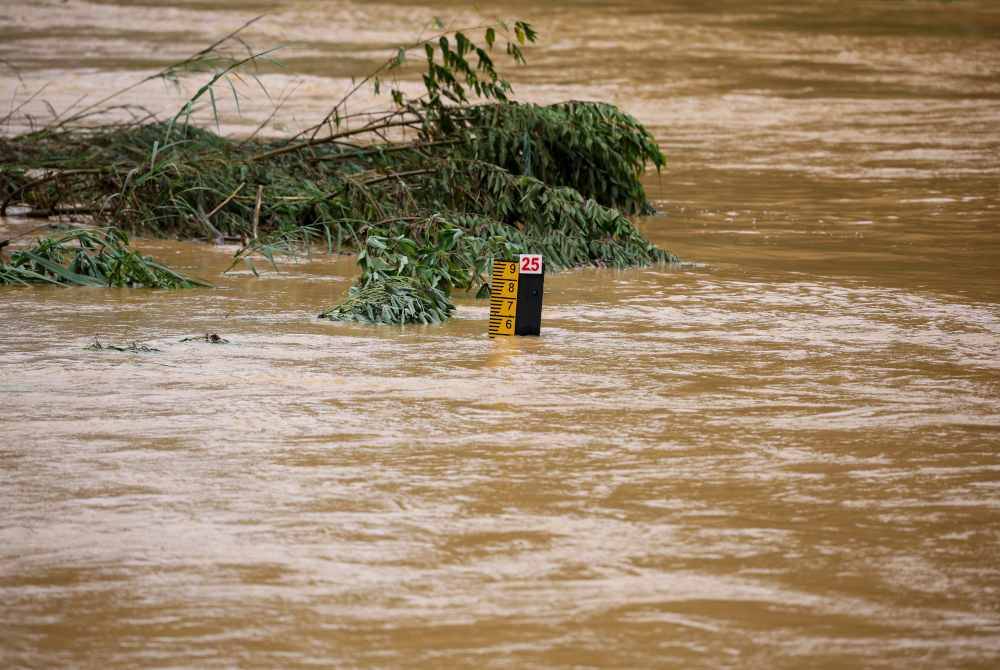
column 783, row 456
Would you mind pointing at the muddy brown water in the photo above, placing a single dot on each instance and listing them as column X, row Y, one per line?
column 785, row 456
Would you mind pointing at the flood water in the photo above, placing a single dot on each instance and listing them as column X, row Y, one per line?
column 784, row 456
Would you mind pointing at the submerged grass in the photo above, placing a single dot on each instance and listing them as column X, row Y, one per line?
column 427, row 194
column 85, row 257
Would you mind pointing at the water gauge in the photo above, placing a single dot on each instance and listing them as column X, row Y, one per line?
column 516, row 296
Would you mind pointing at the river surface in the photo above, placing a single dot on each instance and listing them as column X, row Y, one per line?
column 784, row 456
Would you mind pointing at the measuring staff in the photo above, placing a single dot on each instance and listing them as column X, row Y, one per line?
column 516, row 296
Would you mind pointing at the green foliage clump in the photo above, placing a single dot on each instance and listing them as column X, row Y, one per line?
column 594, row 148
column 559, row 222
column 447, row 252
column 90, row 258
column 392, row 299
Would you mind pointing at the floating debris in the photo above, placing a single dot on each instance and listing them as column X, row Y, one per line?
column 211, row 338
column 134, row 347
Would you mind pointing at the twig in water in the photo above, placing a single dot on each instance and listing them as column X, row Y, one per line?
column 226, row 201
column 256, row 209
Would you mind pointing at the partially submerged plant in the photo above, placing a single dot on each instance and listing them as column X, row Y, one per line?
column 427, row 193
column 392, row 299
column 86, row 257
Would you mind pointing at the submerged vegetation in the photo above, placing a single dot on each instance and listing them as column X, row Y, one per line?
column 392, row 299
column 86, row 257
column 426, row 194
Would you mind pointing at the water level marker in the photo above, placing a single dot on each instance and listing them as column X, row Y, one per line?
column 516, row 296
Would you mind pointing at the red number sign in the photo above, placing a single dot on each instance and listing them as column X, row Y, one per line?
column 531, row 264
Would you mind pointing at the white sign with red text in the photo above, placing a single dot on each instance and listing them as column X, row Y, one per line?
column 530, row 264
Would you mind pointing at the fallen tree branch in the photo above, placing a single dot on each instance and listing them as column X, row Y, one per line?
column 332, row 138
column 399, row 175
column 374, row 151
